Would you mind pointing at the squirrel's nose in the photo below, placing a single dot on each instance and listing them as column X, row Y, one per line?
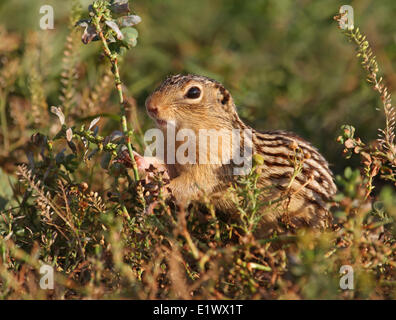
column 151, row 108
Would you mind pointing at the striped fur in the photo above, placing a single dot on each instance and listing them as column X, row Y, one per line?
column 311, row 189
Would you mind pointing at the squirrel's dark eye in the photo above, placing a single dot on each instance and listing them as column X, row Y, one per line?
column 193, row 93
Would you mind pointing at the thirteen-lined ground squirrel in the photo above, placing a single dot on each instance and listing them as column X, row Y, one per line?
column 190, row 105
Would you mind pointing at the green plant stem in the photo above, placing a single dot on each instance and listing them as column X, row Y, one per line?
column 3, row 120
column 96, row 140
column 370, row 65
column 114, row 62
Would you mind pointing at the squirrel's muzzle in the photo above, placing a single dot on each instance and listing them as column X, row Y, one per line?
column 151, row 108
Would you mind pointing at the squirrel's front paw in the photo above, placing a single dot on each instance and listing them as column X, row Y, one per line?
column 155, row 174
column 143, row 163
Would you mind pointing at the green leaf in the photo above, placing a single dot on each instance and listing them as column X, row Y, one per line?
column 118, row 47
column 130, row 36
column 348, row 173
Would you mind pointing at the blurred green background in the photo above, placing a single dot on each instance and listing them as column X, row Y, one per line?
column 286, row 63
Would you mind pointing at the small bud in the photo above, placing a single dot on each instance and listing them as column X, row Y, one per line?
column 69, row 134
column 84, row 186
column 357, row 149
column 258, row 159
column 349, row 143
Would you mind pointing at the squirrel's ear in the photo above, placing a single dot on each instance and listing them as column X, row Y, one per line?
column 224, row 96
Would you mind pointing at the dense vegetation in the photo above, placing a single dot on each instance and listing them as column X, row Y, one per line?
column 66, row 203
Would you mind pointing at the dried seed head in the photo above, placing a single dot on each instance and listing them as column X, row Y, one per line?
column 84, row 186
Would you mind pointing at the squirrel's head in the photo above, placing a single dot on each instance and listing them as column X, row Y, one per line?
column 191, row 101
